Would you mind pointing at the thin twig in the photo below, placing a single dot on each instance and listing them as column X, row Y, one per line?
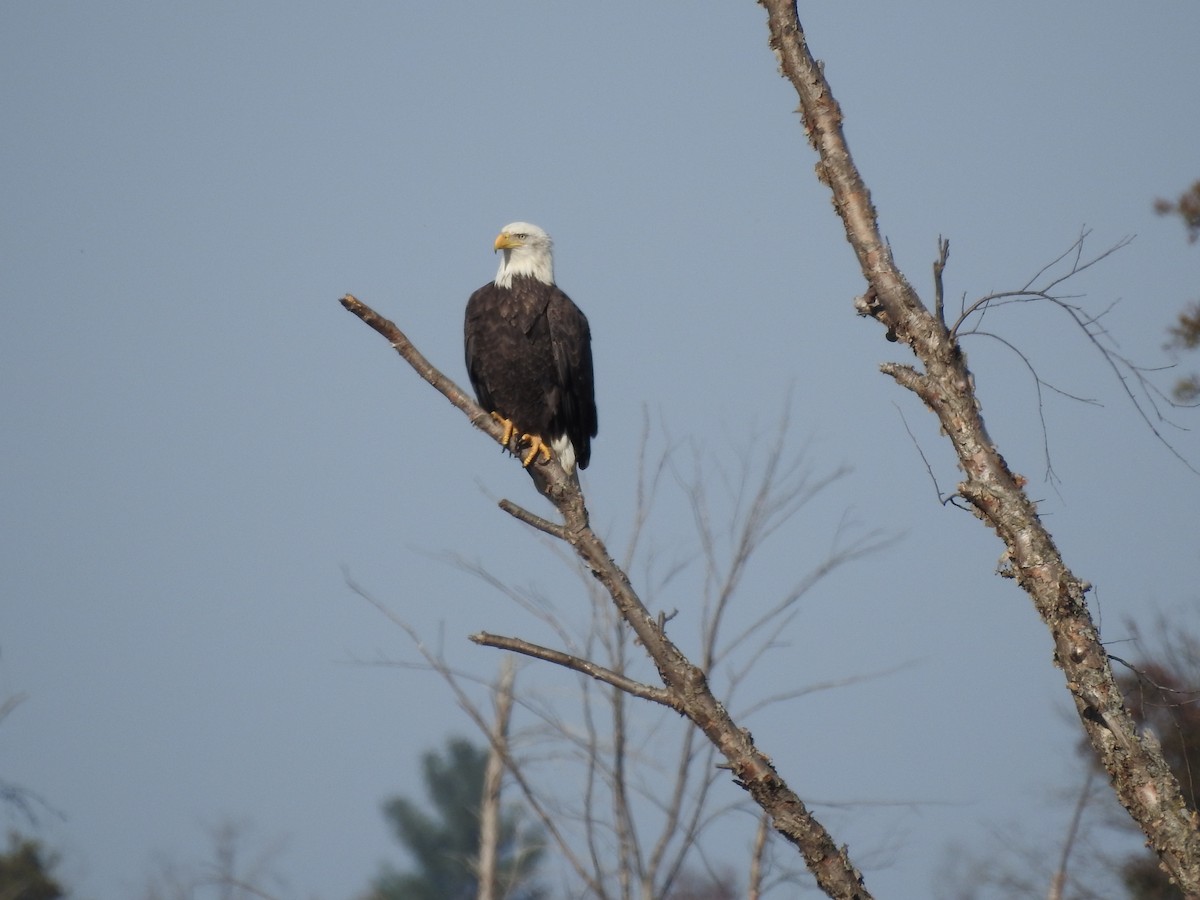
column 481, row 722
column 757, row 854
column 1059, row 881
column 577, row 664
column 939, row 266
column 524, row 515
column 942, row 499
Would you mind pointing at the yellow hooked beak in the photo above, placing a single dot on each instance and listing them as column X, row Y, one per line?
column 506, row 241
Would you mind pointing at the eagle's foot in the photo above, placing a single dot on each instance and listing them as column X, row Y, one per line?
column 509, row 428
column 536, row 447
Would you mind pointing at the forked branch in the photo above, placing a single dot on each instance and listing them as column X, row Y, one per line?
column 1043, row 289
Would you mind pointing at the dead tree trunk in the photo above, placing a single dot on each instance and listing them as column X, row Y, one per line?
column 1140, row 776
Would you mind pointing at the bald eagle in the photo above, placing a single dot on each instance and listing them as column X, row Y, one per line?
column 529, row 353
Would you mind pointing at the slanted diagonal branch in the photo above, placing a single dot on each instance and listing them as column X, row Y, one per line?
column 684, row 683
column 1139, row 773
column 579, row 664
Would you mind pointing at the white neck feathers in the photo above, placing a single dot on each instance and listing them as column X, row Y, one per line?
column 535, row 262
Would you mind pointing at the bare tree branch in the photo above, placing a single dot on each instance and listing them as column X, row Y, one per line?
column 1139, row 773
column 1059, row 881
column 19, row 798
column 524, row 515
column 447, row 388
column 482, row 723
column 1145, row 399
column 754, row 889
column 939, row 267
column 686, row 682
column 577, row 664
column 493, row 777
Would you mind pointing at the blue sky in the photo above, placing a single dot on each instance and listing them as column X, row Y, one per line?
column 198, row 438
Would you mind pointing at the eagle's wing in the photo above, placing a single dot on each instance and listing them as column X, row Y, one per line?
column 571, row 340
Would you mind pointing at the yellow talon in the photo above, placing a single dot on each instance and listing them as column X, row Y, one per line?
column 508, row 428
column 536, row 446
column 534, row 442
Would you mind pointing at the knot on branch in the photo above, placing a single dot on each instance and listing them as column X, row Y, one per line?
column 868, row 305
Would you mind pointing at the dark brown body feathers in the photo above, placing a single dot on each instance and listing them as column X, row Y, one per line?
column 529, row 358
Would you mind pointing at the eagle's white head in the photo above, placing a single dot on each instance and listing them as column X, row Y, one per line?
column 527, row 251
